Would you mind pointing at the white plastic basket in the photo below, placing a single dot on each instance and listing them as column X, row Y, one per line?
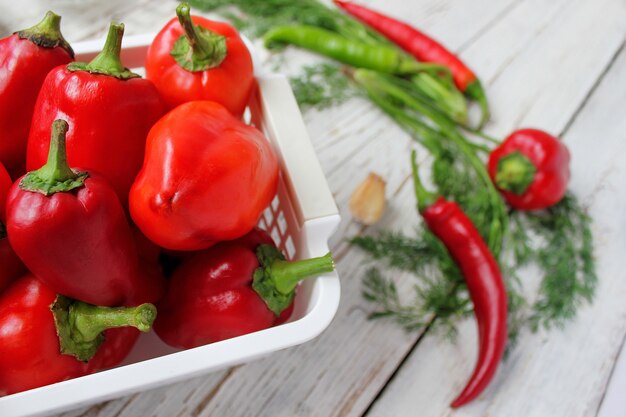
column 301, row 218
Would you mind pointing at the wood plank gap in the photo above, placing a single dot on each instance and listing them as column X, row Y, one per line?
column 616, row 358
column 593, row 88
column 130, row 401
column 481, row 31
column 399, row 365
column 207, row 398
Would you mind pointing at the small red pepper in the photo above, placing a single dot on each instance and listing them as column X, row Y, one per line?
column 193, row 58
column 26, row 57
column 110, row 111
column 231, row 289
column 482, row 275
column 423, row 48
column 45, row 338
column 11, row 267
column 70, row 229
column 531, row 169
column 206, row 177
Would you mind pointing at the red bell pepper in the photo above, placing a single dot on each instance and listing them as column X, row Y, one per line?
column 70, row 230
column 231, row 289
column 26, row 57
column 110, row 111
column 45, row 338
column 482, row 276
column 193, row 58
column 531, row 169
column 206, row 178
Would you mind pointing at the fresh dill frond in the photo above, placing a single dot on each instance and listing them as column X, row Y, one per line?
column 321, row 86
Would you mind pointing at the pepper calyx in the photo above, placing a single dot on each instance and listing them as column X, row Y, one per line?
column 199, row 48
column 47, row 33
column 80, row 326
column 515, row 173
column 276, row 279
column 108, row 62
column 56, row 175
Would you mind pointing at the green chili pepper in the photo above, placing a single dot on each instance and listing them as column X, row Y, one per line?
column 361, row 55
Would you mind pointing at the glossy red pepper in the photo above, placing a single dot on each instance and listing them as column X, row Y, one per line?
column 482, row 276
column 231, row 289
column 70, row 230
column 193, row 58
column 110, row 111
column 207, row 177
column 26, row 57
column 11, row 267
column 422, row 47
column 33, row 355
column 531, row 169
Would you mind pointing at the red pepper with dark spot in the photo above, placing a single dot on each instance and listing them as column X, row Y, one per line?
column 26, row 57
column 482, row 275
column 193, row 58
column 110, row 111
column 207, row 177
column 69, row 228
column 531, row 169
column 423, row 48
column 231, row 289
column 11, row 267
column 33, row 355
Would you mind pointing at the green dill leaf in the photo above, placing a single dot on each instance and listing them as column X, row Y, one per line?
column 321, row 86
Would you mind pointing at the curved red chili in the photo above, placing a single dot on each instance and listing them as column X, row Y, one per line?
column 482, row 275
column 422, row 47
column 531, row 169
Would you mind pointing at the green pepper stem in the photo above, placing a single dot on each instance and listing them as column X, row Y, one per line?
column 199, row 49
column 424, row 197
column 515, row 173
column 57, row 168
column 90, row 321
column 287, row 274
column 47, row 33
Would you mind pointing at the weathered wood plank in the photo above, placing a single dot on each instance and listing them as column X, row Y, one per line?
column 564, row 372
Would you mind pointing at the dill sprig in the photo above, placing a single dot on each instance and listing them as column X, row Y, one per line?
column 321, row 86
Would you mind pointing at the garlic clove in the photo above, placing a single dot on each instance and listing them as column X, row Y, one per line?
column 367, row 203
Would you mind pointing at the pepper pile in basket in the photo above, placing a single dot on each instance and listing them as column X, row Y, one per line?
column 472, row 245
column 121, row 170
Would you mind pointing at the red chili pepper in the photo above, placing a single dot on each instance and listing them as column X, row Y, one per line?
column 33, row 355
column 231, row 289
column 110, row 111
column 207, row 177
column 531, row 169
column 422, row 47
column 26, row 57
column 70, row 230
column 11, row 267
column 482, row 275
column 193, row 58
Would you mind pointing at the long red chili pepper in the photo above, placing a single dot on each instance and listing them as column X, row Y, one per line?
column 482, row 275
column 45, row 338
column 69, row 228
column 531, row 169
column 421, row 47
column 26, row 57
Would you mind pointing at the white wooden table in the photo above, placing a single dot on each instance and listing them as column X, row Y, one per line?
column 559, row 65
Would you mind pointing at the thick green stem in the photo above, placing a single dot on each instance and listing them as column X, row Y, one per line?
column 89, row 320
column 287, row 274
column 276, row 279
column 56, row 175
column 515, row 173
column 199, row 48
column 424, row 197
column 108, row 62
column 476, row 92
column 47, row 33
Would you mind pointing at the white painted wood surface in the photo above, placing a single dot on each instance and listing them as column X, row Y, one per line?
column 559, row 65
